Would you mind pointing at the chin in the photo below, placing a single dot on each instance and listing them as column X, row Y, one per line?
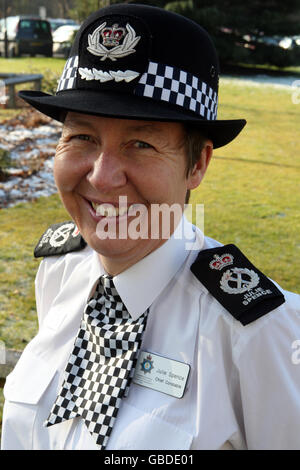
column 110, row 247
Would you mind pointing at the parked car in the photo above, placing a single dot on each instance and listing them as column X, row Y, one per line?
column 63, row 38
column 284, row 42
column 57, row 22
column 26, row 35
column 257, row 48
column 290, row 42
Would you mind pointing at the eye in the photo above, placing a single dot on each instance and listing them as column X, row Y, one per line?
column 142, row 145
column 82, row 137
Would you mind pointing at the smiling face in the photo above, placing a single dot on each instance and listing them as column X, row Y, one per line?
column 102, row 161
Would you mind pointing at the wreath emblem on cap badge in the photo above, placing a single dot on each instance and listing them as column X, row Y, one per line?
column 111, row 37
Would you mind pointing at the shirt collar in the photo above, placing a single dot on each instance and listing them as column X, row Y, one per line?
column 96, row 270
column 141, row 284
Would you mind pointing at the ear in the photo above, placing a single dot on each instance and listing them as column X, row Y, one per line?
column 199, row 170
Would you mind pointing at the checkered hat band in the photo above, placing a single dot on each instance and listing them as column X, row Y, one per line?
column 163, row 83
column 101, row 365
column 68, row 77
column 166, row 83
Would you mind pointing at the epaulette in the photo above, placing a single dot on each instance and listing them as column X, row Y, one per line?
column 239, row 286
column 59, row 239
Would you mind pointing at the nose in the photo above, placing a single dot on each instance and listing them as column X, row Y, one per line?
column 107, row 171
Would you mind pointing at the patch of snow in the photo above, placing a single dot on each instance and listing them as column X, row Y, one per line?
column 20, row 134
column 8, row 185
column 32, row 151
column 285, row 82
column 15, row 194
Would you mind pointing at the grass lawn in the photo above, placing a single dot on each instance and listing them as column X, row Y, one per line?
column 251, row 195
column 252, row 189
column 50, row 67
column 17, row 238
column 31, row 64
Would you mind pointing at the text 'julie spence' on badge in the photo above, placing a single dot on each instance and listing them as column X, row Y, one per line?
column 161, row 374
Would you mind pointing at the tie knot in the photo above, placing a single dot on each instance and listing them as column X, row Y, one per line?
column 108, row 285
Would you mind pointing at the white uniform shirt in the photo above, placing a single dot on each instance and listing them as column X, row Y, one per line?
column 244, row 382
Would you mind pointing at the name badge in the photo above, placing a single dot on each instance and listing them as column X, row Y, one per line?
column 161, row 374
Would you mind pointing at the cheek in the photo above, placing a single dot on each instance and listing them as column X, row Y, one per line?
column 161, row 181
column 58, row 171
column 68, row 170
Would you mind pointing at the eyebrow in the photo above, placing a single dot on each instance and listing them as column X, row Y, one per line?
column 145, row 128
column 149, row 128
column 76, row 121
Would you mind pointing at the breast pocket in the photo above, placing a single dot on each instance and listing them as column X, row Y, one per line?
column 23, row 390
column 138, row 430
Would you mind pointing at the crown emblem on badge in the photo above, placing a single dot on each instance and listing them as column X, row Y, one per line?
column 219, row 262
column 111, row 37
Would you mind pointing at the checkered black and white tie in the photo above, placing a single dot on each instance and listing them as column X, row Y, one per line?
column 101, row 365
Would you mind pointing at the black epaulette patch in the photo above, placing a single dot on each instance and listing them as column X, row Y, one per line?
column 238, row 285
column 59, row 239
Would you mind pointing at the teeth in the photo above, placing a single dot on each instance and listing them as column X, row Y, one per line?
column 109, row 211
column 106, row 211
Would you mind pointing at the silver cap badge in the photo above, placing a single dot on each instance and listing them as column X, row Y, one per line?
column 111, row 36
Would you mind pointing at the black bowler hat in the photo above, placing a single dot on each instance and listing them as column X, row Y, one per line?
column 140, row 62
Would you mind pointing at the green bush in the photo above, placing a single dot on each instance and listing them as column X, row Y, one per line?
column 229, row 22
column 50, row 81
column 181, row 7
column 5, row 160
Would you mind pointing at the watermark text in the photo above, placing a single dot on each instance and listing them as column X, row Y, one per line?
column 296, row 92
column 156, row 221
column 296, row 354
column 2, row 353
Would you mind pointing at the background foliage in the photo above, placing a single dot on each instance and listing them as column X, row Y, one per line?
column 239, row 29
